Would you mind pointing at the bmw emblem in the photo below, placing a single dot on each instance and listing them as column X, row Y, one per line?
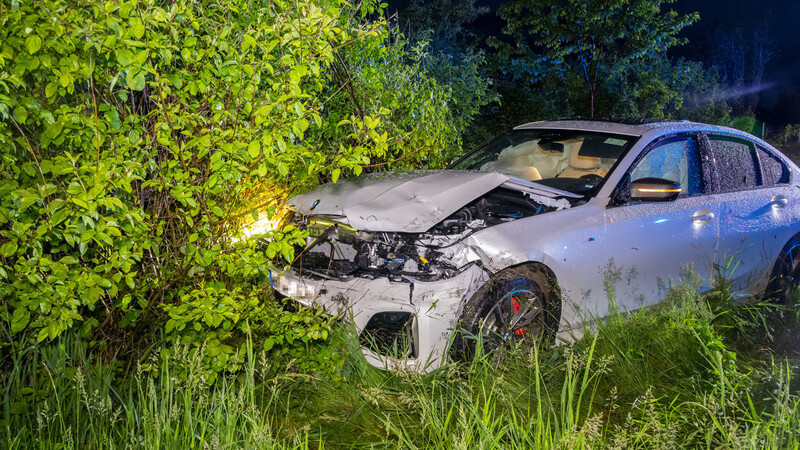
column 314, row 205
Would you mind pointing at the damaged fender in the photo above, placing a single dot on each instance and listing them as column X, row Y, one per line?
column 434, row 308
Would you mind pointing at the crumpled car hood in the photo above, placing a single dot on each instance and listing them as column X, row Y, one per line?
column 411, row 202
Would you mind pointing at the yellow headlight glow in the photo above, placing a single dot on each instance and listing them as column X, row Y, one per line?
column 265, row 224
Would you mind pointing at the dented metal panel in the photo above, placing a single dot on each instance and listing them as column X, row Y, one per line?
column 410, row 202
column 435, row 306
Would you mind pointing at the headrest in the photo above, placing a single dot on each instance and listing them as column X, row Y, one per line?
column 582, row 162
column 525, row 148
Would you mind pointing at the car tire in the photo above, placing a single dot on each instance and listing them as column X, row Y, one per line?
column 786, row 273
column 518, row 304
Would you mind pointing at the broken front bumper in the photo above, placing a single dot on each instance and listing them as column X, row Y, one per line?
column 433, row 309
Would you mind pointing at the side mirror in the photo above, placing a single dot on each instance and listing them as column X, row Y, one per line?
column 654, row 190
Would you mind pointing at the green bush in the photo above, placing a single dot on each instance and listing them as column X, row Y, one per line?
column 140, row 137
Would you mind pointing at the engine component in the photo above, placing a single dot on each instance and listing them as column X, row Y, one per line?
column 338, row 251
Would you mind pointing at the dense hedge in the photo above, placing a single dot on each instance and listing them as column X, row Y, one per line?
column 139, row 138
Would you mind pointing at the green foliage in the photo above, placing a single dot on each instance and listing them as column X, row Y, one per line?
column 589, row 46
column 464, row 74
column 140, row 137
column 380, row 80
column 213, row 322
column 662, row 377
column 424, row 100
column 634, row 91
column 439, row 41
column 787, row 140
column 745, row 123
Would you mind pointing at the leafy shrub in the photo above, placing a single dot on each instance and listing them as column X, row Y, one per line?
column 140, row 136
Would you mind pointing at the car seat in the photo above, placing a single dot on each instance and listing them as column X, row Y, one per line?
column 580, row 165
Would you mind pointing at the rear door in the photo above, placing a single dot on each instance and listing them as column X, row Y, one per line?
column 757, row 209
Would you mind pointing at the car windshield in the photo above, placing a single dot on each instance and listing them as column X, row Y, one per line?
column 571, row 160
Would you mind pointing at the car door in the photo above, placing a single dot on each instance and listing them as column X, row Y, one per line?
column 753, row 185
column 654, row 242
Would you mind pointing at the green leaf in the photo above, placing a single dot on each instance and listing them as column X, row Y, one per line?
column 125, row 9
column 93, row 294
column 282, row 169
column 42, row 335
column 20, row 319
column 217, row 211
column 8, row 249
column 80, row 202
column 66, row 79
column 33, row 43
column 138, row 30
column 335, row 174
column 254, row 149
column 247, row 42
column 135, row 80
column 27, row 200
column 68, row 260
column 51, row 89
column 124, row 57
column 20, row 114
column 52, row 329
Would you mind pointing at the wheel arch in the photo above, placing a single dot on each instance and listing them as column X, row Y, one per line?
column 771, row 287
column 542, row 267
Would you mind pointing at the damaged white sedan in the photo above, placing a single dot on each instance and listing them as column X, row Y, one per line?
column 527, row 235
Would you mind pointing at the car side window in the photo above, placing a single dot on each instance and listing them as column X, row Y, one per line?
column 735, row 162
column 675, row 159
column 773, row 170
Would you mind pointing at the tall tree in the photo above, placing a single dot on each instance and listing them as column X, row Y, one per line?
column 590, row 40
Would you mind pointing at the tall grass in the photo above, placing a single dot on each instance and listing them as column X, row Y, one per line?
column 691, row 372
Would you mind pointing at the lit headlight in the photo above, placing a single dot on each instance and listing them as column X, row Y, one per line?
column 265, row 224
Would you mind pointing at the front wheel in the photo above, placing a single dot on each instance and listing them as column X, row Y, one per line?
column 518, row 304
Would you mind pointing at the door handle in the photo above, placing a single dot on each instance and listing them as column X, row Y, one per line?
column 702, row 216
column 779, row 201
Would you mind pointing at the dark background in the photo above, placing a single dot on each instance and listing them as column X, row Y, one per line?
column 777, row 96
column 780, row 20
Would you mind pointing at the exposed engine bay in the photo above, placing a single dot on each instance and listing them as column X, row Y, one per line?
column 334, row 250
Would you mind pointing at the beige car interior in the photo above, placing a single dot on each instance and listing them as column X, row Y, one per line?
column 531, row 162
column 583, row 165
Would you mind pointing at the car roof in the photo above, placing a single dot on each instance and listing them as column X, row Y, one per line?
column 638, row 127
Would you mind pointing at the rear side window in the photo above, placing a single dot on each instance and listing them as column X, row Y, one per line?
column 736, row 164
column 773, row 170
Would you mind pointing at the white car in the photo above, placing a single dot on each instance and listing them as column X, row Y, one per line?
column 523, row 237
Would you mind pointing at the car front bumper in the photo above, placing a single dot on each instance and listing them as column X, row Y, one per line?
column 434, row 307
